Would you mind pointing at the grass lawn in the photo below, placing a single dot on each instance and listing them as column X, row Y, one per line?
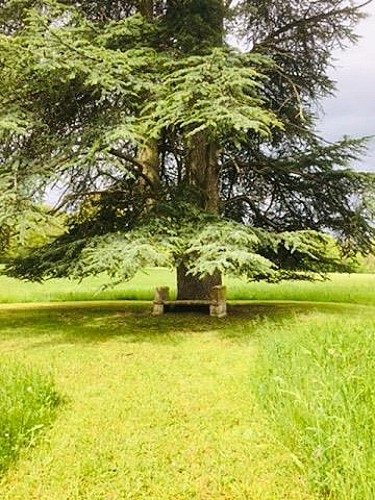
column 348, row 288
column 273, row 402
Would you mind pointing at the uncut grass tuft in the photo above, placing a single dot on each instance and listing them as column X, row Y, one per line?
column 28, row 401
column 315, row 382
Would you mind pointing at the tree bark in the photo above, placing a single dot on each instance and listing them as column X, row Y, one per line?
column 146, row 8
column 148, row 157
column 202, row 173
column 193, row 288
column 202, row 176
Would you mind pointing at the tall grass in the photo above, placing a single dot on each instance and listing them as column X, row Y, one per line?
column 316, row 384
column 27, row 404
column 343, row 288
column 355, row 288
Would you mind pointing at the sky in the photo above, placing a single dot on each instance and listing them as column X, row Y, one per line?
column 352, row 111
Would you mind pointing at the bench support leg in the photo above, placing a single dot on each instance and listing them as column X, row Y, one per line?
column 161, row 295
column 218, row 306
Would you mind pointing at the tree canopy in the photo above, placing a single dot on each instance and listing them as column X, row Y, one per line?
column 169, row 145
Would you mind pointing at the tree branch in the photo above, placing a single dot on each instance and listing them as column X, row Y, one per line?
column 253, row 207
column 75, row 196
column 137, row 166
column 310, row 20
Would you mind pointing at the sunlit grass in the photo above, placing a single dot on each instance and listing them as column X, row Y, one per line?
column 341, row 288
column 188, row 406
column 348, row 288
column 61, row 290
column 155, row 407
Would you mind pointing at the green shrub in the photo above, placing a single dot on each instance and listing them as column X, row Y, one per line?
column 316, row 382
column 27, row 405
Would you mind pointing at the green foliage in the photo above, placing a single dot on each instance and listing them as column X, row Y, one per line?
column 315, row 384
column 126, row 104
column 170, row 236
column 49, row 58
column 29, row 226
column 195, row 26
column 217, row 93
column 28, row 402
column 313, row 189
column 36, row 228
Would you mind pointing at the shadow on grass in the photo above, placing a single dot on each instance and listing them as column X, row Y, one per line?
column 85, row 324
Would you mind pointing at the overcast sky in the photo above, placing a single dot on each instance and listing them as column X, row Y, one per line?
column 352, row 111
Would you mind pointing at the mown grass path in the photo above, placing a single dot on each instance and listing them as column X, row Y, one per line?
column 157, row 408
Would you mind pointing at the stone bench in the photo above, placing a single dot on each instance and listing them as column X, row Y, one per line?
column 216, row 305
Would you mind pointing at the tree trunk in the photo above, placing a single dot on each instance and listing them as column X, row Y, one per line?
column 193, row 288
column 148, row 157
column 202, row 176
column 202, row 172
column 146, row 8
